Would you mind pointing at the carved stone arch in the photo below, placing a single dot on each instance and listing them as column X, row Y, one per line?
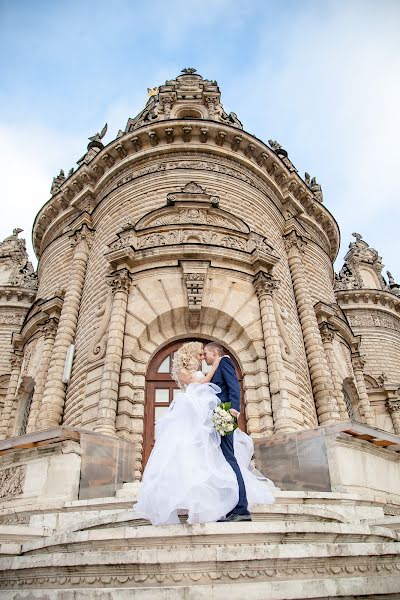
column 351, row 398
column 171, row 325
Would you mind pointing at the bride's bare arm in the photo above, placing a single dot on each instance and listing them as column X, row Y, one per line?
column 185, row 377
column 210, row 374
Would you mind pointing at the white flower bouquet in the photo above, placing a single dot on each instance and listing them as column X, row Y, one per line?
column 224, row 422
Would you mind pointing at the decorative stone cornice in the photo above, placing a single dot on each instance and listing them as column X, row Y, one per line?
column 173, row 136
column 372, row 298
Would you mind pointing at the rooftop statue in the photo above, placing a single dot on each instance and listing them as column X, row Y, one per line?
column 97, row 137
column 57, row 182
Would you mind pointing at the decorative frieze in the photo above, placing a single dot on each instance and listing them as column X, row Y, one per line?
column 370, row 318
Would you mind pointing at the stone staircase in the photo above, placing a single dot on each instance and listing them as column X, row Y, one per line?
column 306, row 545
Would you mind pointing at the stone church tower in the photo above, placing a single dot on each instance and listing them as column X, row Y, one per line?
column 187, row 227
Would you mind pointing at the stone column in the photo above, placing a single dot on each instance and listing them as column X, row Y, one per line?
column 393, row 406
column 52, row 407
column 120, row 282
column 265, row 285
column 325, row 401
column 366, row 412
column 16, row 362
column 49, row 332
column 328, row 335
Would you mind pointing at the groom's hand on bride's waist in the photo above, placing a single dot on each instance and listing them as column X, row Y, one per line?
column 234, row 412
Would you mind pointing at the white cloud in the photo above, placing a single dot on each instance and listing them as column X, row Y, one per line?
column 331, row 97
column 30, row 156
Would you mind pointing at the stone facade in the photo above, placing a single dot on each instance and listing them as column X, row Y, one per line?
column 201, row 230
column 187, row 227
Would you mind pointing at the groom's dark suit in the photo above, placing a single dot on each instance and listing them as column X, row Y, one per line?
column 225, row 377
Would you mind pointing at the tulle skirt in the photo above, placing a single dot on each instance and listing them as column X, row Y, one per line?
column 187, row 470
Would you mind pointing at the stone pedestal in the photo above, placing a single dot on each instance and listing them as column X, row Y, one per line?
column 347, row 457
column 63, row 464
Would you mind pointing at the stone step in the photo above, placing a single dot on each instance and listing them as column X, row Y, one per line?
column 193, row 571
column 279, row 512
column 278, row 532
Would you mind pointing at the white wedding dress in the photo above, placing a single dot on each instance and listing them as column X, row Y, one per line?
column 187, row 470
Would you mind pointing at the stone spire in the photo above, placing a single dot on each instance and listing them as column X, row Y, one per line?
column 187, row 96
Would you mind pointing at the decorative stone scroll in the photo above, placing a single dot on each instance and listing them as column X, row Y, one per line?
column 11, row 481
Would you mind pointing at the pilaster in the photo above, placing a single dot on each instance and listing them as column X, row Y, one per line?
column 120, row 282
column 265, row 285
column 365, row 409
column 325, row 400
column 52, row 407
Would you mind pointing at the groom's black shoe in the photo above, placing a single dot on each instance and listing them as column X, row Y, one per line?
column 234, row 518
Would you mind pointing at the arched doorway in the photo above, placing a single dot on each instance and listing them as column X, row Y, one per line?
column 161, row 389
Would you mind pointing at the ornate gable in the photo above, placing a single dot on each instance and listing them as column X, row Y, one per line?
column 191, row 222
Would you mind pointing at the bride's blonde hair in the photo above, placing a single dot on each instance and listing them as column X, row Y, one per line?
column 185, row 358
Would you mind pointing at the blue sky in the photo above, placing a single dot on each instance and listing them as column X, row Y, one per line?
column 320, row 76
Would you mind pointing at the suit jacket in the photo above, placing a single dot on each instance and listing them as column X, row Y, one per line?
column 225, row 377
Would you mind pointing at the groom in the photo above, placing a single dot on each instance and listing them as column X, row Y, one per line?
column 225, row 377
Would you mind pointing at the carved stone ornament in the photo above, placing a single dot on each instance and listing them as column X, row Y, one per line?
column 83, row 234
column 358, row 362
column 360, row 257
column 11, row 481
column 120, row 281
column 393, row 405
column 15, row 267
column 189, row 92
column 194, row 284
column 294, row 240
column 327, row 332
column 49, row 328
column 16, row 361
column 264, row 284
column 194, row 276
column 103, row 313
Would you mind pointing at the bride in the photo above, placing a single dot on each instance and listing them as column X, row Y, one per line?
column 186, row 469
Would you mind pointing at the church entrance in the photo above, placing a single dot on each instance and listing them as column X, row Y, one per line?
column 161, row 390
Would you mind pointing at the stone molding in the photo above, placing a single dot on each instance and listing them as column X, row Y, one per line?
column 378, row 299
column 257, row 155
column 201, row 229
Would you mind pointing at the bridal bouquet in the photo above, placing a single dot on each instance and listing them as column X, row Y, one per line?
column 224, row 422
